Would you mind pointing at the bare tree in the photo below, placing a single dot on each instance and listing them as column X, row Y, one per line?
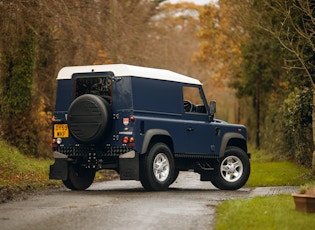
column 295, row 33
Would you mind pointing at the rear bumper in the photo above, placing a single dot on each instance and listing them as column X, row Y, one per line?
column 128, row 166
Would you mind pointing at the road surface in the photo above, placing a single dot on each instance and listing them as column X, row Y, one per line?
column 188, row 204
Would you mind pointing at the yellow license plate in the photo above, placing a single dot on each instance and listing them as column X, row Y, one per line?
column 61, row 131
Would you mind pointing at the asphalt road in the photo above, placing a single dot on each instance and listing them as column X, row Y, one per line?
column 188, row 204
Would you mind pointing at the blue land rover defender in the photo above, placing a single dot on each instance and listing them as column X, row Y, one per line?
column 147, row 124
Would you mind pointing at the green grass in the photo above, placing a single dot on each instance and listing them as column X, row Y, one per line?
column 275, row 212
column 19, row 173
column 265, row 171
column 277, row 174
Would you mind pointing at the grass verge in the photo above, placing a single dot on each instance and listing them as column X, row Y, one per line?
column 265, row 171
column 19, row 173
column 277, row 174
column 275, row 212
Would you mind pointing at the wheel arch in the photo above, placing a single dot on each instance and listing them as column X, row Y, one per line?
column 156, row 135
column 233, row 139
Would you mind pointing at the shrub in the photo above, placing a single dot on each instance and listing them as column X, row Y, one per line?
column 297, row 126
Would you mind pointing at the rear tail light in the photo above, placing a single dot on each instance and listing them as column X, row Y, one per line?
column 54, row 143
column 130, row 140
column 125, row 140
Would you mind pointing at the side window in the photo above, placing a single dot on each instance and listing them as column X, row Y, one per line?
column 100, row 86
column 156, row 96
column 193, row 102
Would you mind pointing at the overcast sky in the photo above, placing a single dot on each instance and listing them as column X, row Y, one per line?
column 199, row 2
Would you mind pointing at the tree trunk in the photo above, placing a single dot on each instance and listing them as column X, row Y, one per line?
column 257, row 102
column 313, row 128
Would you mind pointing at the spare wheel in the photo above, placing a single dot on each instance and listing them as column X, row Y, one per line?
column 89, row 118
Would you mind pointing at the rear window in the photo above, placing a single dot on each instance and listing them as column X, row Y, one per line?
column 91, row 84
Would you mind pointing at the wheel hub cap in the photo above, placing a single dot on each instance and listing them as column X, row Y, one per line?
column 231, row 168
column 161, row 167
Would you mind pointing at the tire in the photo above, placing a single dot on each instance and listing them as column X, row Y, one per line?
column 176, row 173
column 157, row 168
column 79, row 178
column 89, row 118
column 232, row 171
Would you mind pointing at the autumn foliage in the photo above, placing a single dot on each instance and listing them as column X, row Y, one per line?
column 38, row 38
column 265, row 51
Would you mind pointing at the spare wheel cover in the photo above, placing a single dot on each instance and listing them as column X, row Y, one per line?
column 89, row 118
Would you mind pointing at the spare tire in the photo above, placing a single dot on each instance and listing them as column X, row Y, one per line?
column 89, row 118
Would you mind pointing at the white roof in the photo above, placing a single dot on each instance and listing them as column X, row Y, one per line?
column 122, row 70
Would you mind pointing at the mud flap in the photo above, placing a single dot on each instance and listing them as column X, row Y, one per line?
column 59, row 170
column 129, row 166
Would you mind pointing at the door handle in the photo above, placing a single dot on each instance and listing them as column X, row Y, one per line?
column 190, row 129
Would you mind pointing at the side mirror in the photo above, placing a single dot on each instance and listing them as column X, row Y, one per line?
column 213, row 109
